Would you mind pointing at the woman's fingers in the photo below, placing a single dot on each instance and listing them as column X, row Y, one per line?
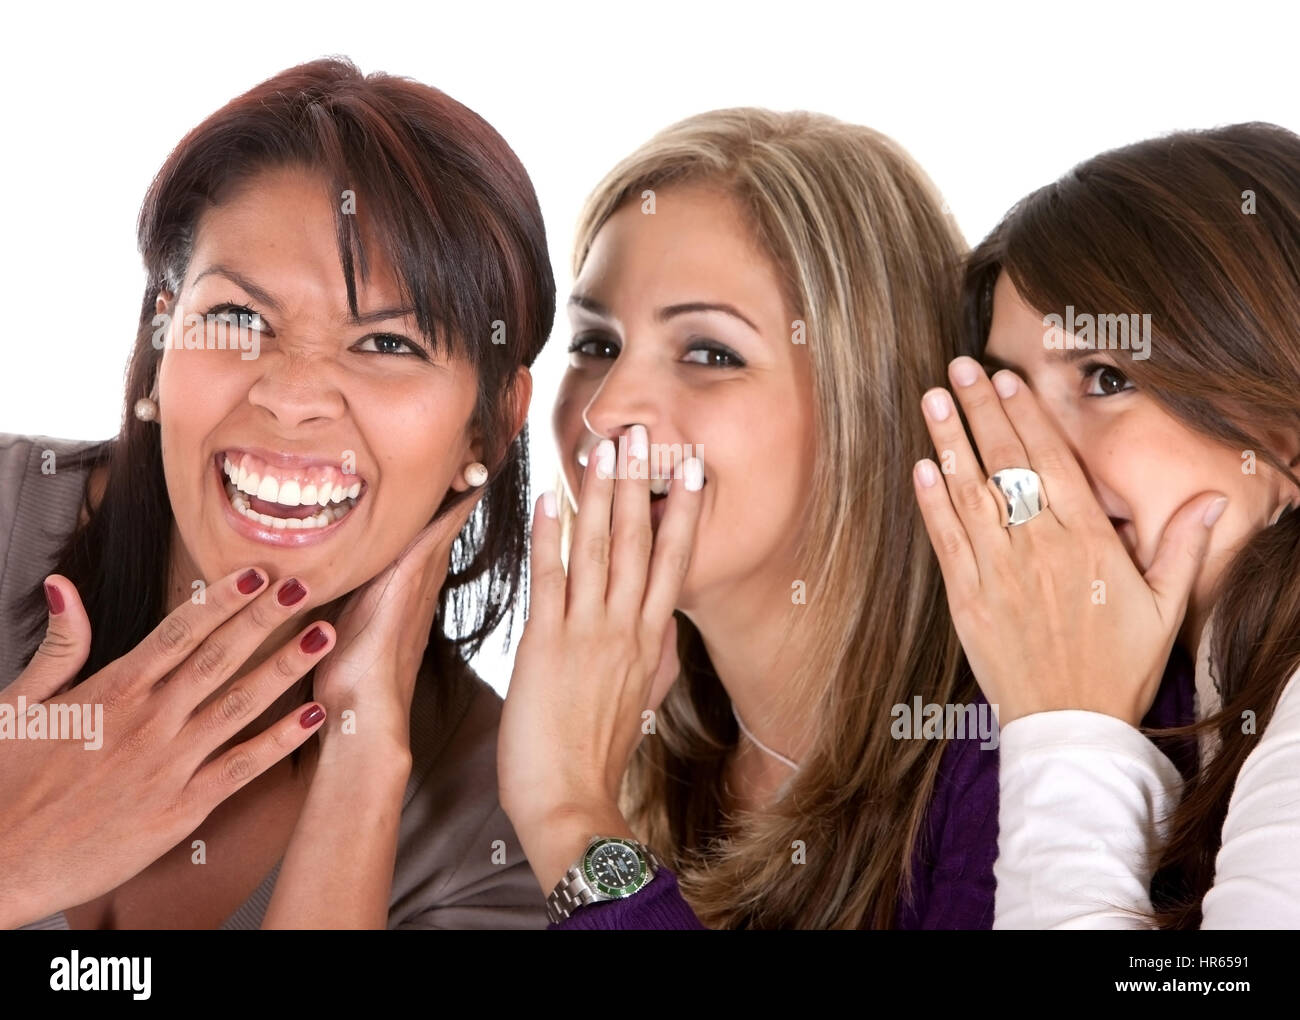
column 240, row 765
column 1069, row 495
column 995, row 437
column 674, row 542
column 65, row 648
column 948, row 536
column 590, row 548
column 632, row 537
column 243, row 700
column 546, row 569
column 182, row 630
column 966, row 482
column 1180, row 554
column 226, row 649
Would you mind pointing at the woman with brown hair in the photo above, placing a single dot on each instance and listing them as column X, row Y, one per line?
column 760, row 299
column 1142, row 432
column 322, row 417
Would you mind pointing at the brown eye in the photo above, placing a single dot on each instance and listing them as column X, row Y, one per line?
column 1105, row 380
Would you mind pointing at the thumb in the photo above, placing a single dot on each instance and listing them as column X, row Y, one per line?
column 66, row 646
column 669, row 666
column 1181, row 552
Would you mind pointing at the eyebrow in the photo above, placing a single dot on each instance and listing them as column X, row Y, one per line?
column 668, row 311
column 264, row 297
column 1069, row 356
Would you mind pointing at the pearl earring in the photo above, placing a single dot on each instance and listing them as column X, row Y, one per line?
column 146, row 409
column 476, row 474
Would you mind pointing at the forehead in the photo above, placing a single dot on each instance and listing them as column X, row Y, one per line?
column 279, row 229
column 696, row 243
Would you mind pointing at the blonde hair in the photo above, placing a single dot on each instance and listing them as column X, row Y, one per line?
column 872, row 265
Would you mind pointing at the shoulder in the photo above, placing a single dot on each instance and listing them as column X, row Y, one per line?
column 459, row 863
column 42, row 488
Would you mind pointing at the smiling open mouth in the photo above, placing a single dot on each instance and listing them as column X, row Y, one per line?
column 293, row 500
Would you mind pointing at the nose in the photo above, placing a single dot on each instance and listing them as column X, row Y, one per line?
column 626, row 396
column 296, row 389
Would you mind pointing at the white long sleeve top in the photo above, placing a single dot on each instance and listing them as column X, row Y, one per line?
column 1084, row 801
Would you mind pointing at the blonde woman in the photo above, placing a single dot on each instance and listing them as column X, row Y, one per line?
column 767, row 296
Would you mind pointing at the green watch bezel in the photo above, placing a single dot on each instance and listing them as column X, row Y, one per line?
column 617, row 892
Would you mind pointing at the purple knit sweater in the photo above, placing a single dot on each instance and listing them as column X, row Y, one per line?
column 952, row 864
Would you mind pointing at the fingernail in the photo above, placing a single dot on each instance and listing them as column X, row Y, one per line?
column 549, row 507
column 1006, row 384
column 639, row 442
column 53, row 599
column 291, row 592
column 926, row 473
column 313, row 641
column 1215, row 510
column 605, row 459
column 311, row 715
column 249, row 581
column 693, row 474
column 965, row 371
column 937, row 405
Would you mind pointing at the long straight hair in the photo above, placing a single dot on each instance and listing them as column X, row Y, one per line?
column 1201, row 230
column 454, row 213
column 871, row 264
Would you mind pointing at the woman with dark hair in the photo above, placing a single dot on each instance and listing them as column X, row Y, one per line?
column 1135, row 493
column 318, row 494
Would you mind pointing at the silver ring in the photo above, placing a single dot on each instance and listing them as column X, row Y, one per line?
column 1020, row 495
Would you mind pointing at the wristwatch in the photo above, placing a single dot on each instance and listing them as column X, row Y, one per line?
column 611, row 868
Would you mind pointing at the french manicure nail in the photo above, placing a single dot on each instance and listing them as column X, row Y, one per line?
column 693, row 474
column 605, row 459
column 938, row 405
column 1006, row 384
column 639, row 442
column 926, row 473
column 965, row 371
column 549, row 507
column 1215, row 510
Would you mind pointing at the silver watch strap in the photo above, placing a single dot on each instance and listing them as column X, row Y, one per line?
column 573, row 891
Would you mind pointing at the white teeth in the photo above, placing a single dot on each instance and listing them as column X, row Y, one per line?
column 329, row 515
column 339, row 494
column 323, row 494
column 268, row 490
column 659, row 486
column 308, row 495
column 288, row 493
column 249, row 482
column 355, row 491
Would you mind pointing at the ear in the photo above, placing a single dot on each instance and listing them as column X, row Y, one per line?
column 165, row 300
column 515, row 410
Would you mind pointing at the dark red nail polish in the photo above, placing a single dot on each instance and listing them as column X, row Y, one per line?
column 311, row 716
column 313, row 641
column 249, row 581
column 54, row 599
column 291, row 592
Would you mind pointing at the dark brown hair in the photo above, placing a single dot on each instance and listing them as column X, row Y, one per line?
column 452, row 211
column 1202, row 231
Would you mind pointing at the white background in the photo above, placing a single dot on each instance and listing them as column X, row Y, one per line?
column 993, row 99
